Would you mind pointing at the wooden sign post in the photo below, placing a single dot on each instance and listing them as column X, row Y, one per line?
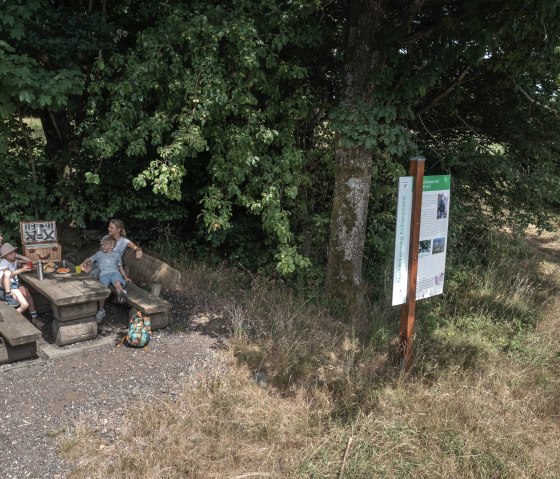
column 408, row 309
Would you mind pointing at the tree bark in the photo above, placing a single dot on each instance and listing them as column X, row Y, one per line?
column 353, row 165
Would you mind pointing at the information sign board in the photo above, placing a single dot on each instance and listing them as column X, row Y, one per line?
column 402, row 240
column 432, row 248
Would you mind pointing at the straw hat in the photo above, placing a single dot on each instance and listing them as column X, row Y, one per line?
column 7, row 248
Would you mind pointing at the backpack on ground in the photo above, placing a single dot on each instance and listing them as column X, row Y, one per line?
column 139, row 330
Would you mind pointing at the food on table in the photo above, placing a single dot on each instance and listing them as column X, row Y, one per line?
column 62, row 270
column 49, row 267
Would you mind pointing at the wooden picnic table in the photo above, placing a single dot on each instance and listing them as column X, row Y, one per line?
column 73, row 298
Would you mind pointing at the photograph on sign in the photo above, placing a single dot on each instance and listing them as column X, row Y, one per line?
column 433, row 232
column 424, row 248
column 443, row 202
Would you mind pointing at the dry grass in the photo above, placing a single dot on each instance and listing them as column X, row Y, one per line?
column 222, row 426
column 336, row 407
column 496, row 425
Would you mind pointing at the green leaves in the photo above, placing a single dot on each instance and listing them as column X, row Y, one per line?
column 165, row 178
column 205, row 90
column 374, row 127
column 92, row 178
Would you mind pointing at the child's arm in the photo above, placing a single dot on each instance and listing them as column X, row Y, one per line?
column 6, row 280
column 124, row 275
column 20, row 257
column 87, row 265
column 23, row 269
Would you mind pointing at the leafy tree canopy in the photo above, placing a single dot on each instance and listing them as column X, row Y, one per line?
column 226, row 116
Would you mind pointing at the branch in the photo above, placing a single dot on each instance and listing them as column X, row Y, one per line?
column 420, row 34
column 55, row 124
column 417, row 5
column 444, row 93
column 31, row 160
column 532, row 100
column 343, row 465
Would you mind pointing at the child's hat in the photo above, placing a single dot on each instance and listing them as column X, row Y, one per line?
column 7, row 248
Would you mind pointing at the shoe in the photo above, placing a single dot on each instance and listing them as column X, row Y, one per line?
column 11, row 301
column 121, row 296
column 100, row 315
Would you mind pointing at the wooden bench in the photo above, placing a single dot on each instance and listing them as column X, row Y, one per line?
column 18, row 337
column 154, row 274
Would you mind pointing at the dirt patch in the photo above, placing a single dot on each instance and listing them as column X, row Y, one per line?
column 546, row 242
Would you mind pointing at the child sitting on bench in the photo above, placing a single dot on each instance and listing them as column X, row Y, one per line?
column 10, row 282
column 111, row 271
column 5, row 288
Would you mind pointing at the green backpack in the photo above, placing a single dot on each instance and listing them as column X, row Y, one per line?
column 139, row 330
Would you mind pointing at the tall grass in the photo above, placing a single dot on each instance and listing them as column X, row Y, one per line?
column 302, row 396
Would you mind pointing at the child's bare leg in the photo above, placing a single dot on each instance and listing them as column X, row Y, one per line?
column 23, row 304
column 121, row 293
column 28, row 297
column 100, row 315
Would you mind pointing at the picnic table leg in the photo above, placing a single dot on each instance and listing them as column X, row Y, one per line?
column 74, row 323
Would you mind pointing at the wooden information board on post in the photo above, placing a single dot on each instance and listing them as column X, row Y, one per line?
column 39, row 240
column 408, row 310
column 420, row 246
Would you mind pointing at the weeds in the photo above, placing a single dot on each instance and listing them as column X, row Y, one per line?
column 482, row 400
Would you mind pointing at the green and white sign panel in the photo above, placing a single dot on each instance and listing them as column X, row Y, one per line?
column 432, row 247
column 402, row 239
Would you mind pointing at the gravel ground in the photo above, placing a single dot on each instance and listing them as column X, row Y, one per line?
column 43, row 398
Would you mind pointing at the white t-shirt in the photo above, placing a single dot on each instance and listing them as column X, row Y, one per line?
column 7, row 265
column 120, row 246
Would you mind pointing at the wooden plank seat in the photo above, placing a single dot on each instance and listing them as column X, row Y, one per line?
column 18, row 337
column 156, row 275
column 149, row 304
column 151, row 270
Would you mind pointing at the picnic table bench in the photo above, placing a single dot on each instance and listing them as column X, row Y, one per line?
column 154, row 274
column 18, row 337
column 73, row 299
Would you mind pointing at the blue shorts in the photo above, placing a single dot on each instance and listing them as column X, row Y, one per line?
column 13, row 285
column 112, row 278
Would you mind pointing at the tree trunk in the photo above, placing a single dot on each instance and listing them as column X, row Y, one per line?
column 353, row 165
column 348, row 226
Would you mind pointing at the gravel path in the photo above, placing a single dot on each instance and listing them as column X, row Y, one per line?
column 43, row 398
